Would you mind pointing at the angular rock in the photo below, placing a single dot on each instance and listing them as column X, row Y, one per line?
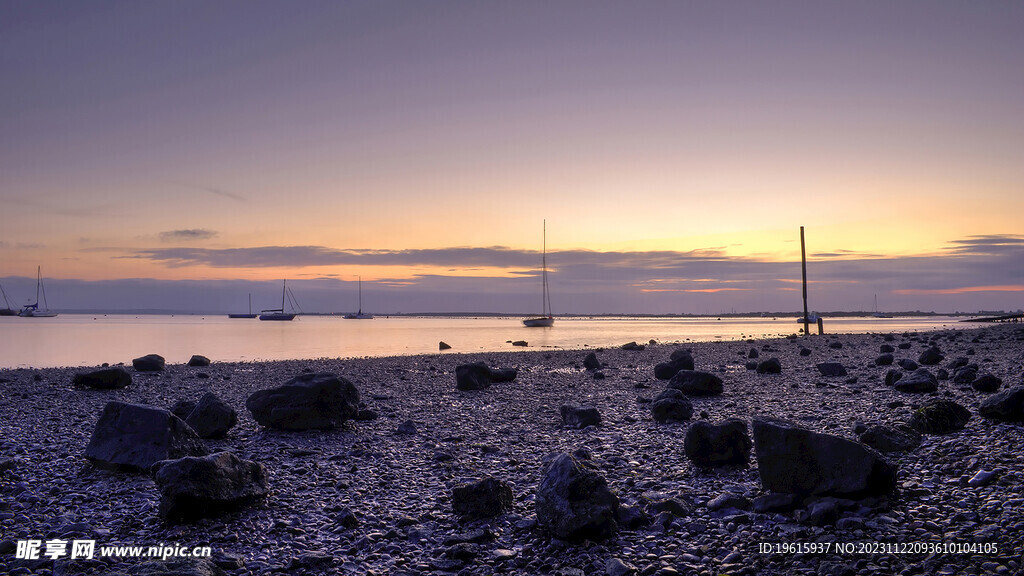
column 892, row 376
column 308, row 401
column 104, row 379
column 407, row 427
column 696, row 383
column 197, row 361
column 798, row 461
column 831, row 369
column 442, row 345
column 920, row 380
column 908, row 364
column 939, row 417
column 987, row 383
column 671, row 410
column 149, row 363
column 930, row 357
column 486, row 498
column 212, row 417
column 888, row 439
column 769, row 366
column 198, row 487
column 753, row 354
column 965, row 374
column 591, row 362
column 134, row 437
column 579, row 416
column 574, row 503
column 680, row 360
column 1007, row 405
column 710, row 445
column 182, row 408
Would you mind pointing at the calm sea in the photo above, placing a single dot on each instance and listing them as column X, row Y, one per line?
column 88, row 340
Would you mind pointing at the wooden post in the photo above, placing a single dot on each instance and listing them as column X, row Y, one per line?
column 803, row 265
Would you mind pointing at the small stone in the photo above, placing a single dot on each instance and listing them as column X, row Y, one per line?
column 442, row 345
column 579, row 416
column 149, row 363
column 769, row 366
column 982, row 478
column 407, row 427
column 197, row 361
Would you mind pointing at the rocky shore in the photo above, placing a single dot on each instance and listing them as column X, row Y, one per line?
column 375, row 494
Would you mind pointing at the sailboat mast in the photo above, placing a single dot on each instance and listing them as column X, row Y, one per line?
column 284, row 290
column 360, row 294
column 39, row 281
column 544, row 273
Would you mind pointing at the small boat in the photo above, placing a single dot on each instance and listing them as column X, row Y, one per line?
column 547, row 320
column 249, row 315
column 876, row 313
column 359, row 315
column 32, row 310
column 278, row 313
column 6, row 311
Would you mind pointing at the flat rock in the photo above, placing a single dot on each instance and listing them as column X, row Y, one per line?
column 889, row 439
column 198, row 487
column 104, row 379
column 831, row 369
column 149, row 363
column 485, row 498
column 920, row 380
column 696, row 383
column 579, row 416
column 309, row 401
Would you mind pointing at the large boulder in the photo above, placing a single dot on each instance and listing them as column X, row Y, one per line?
column 1007, row 405
column 710, row 445
column 696, row 383
column 197, row 487
column 920, row 380
column 483, row 499
column 939, row 417
column 671, row 406
column 212, row 417
column 965, row 374
column 591, row 362
column 475, row 376
column 680, row 360
column 309, row 401
column 104, row 379
column 134, row 437
column 888, row 439
column 574, row 502
column 987, row 383
column 149, row 363
column 579, row 416
column 794, row 460
column 930, row 357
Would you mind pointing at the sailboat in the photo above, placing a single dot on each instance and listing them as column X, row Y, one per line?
column 359, row 315
column 32, row 310
column 876, row 313
column 6, row 311
column 278, row 313
column 547, row 319
column 249, row 315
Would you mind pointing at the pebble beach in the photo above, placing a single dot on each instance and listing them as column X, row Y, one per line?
column 375, row 496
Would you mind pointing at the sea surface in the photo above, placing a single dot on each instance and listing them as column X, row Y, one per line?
column 90, row 340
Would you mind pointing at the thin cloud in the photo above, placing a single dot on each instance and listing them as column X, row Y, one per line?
column 964, row 290
column 187, row 234
column 212, row 190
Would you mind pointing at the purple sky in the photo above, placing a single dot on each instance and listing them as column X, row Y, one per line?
column 181, row 154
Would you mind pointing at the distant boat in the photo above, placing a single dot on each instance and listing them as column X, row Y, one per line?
column 6, row 311
column 278, row 313
column 359, row 315
column 32, row 310
column 249, row 315
column 876, row 313
column 547, row 319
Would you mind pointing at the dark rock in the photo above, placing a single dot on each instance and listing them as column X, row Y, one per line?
column 407, row 427
column 591, row 362
column 904, row 346
column 907, row 364
column 775, row 502
column 522, row 343
column 805, row 351
column 942, row 374
column 1007, row 405
column 197, row 361
column 794, row 460
column 366, row 414
column 987, row 383
column 965, row 374
column 752, row 365
column 696, row 383
column 476, row 376
column 499, row 375
column 769, row 366
column 199, row 487
column 483, row 499
column 892, row 376
column 598, row 375
column 958, row 362
column 939, row 417
column 632, row 346
column 105, row 379
column 835, row 345
column 149, row 363
column 574, row 503
column 212, row 417
column 831, row 369
column 753, row 354
column 134, row 437
column 309, row 401
column 930, row 357
column 886, row 349
column 671, row 410
column 884, row 360
column 726, row 444
column 920, row 380
column 728, row 500
column 579, row 416
column 681, row 360
column 631, row 517
column 888, row 439
column 442, row 345
column 182, row 408
column 679, row 354
column 820, row 513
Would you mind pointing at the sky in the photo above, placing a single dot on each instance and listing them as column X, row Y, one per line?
column 181, row 154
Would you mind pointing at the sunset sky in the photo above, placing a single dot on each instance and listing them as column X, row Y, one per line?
column 180, row 154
